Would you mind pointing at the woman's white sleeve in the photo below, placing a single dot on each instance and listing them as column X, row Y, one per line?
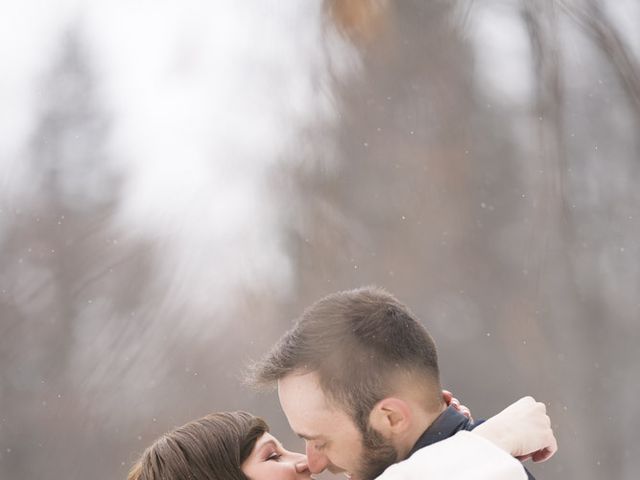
column 464, row 456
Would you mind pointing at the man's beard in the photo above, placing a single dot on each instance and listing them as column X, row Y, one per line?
column 377, row 454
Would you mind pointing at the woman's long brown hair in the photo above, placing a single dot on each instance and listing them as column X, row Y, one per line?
column 210, row 448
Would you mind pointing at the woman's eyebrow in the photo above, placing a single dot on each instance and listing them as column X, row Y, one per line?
column 267, row 443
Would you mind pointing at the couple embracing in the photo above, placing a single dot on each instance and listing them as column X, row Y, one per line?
column 358, row 380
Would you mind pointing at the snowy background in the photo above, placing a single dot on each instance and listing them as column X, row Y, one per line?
column 178, row 179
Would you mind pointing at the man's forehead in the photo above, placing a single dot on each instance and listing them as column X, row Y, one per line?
column 302, row 392
column 309, row 412
column 312, row 416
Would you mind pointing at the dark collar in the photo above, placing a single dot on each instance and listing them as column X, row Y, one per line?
column 447, row 424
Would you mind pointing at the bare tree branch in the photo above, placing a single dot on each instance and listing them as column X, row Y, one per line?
column 595, row 22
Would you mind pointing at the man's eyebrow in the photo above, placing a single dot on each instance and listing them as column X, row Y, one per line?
column 306, row 436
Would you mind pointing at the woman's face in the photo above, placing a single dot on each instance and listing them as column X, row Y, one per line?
column 270, row 461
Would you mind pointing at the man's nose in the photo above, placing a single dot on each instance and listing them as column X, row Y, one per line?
column 317, row 462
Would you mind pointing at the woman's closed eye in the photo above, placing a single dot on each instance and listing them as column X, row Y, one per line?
column 274, row 456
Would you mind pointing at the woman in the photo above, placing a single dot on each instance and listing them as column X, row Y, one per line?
column 228, row 445
column 238, row 446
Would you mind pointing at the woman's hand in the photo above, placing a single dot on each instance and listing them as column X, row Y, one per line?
column 523, row 429
column 452, row 401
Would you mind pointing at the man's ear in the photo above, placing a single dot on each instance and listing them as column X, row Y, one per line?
column 390, row 416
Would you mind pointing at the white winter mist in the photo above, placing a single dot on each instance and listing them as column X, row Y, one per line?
column 502, row 53
column 30, row 33
column 205, row 101
column 208, row 98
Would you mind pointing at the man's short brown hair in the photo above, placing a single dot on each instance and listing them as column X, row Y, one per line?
column 358, row 342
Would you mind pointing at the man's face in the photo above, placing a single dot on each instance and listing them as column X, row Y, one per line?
column 333, row 441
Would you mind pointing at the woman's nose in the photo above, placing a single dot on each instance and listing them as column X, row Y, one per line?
column 300, row 462
column 302, row 466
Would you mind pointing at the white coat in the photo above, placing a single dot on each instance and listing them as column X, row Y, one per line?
column 464, row 456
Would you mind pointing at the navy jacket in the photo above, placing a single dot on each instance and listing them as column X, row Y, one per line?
column 445, row 426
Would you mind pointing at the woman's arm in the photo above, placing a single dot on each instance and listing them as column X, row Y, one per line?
column 487, row 453
column 523, row 429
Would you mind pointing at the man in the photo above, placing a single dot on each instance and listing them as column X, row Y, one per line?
column 358, row 380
